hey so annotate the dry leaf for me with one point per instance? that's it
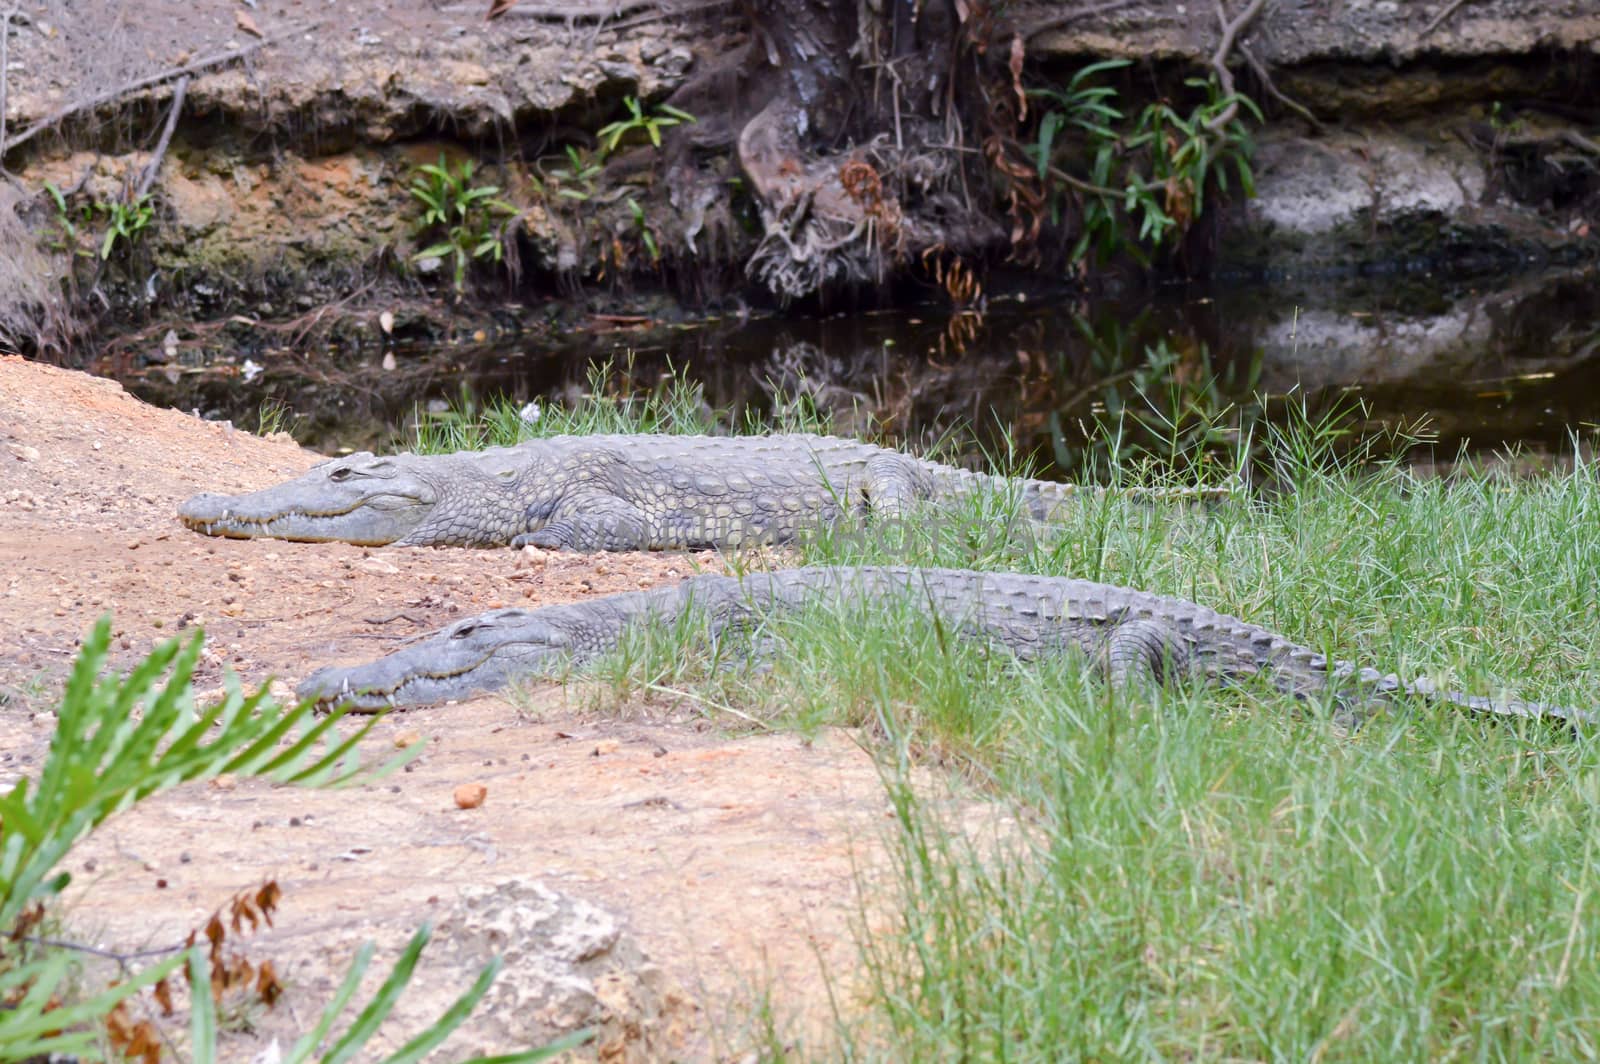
(248, 24)
(1018, 53)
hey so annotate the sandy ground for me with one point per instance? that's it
(730, 861)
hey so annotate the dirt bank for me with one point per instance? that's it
(719, 866)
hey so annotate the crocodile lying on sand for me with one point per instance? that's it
(604, 493)
(1135, 635)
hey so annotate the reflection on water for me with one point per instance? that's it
(1064, 382)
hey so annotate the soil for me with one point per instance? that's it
(730, 860)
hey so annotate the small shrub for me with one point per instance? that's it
(466, 215)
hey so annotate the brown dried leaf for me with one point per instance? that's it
(216, 934)
(267, 984)
(163, 996)
(242, 909)
(134, 1040)
(267, 899)
(31, 917)
(247, 24)
(1018, 54)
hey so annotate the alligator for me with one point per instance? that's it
(587, 493)
(1135, 636)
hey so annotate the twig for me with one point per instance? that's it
(1433, 24)
(1266, 82)
(573, 12)
(148, 178)
(1055, 22)
(718, 706)
(123, 958)
(206, 63)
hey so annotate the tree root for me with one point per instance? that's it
(149, 176)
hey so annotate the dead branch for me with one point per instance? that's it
(1570, 137)
(1449, 9)
(569, 12)
(149, 176)
(111, 95)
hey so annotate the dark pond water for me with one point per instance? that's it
(1516, 364)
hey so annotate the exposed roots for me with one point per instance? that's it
(33, 313)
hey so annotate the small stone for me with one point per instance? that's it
(407, 739)
(224, 782)
(606, 746)
(470, 795)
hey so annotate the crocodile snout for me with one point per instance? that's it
(203, 509)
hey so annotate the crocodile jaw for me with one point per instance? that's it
(316, 508)
(477, 654)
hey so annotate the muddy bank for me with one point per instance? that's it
(1396, 137)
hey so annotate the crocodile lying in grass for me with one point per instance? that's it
(603, 493)
(1135, 635)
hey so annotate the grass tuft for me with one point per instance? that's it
(674, 405)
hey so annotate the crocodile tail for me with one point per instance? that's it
(1045, 499)
(1505, 707)
(1042, 499)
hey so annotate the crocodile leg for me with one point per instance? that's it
(1143, 651)
(591, 521)
(894, 483)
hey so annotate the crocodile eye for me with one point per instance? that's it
(342, 473)
(468, 628)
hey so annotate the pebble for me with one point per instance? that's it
(406, 739)
(470, 795)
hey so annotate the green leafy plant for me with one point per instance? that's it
(465, 213)
(126, 221)
(645, 234)
(661, 117)
(71, 222)
(1147, 178)
(122, 739)
(577, 182)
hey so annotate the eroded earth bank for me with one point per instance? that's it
(652, 872)
(248, 172)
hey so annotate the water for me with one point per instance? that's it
(1514, 365)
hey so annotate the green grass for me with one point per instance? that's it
(1222, 874)
(1195, 873)
(673, 405)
